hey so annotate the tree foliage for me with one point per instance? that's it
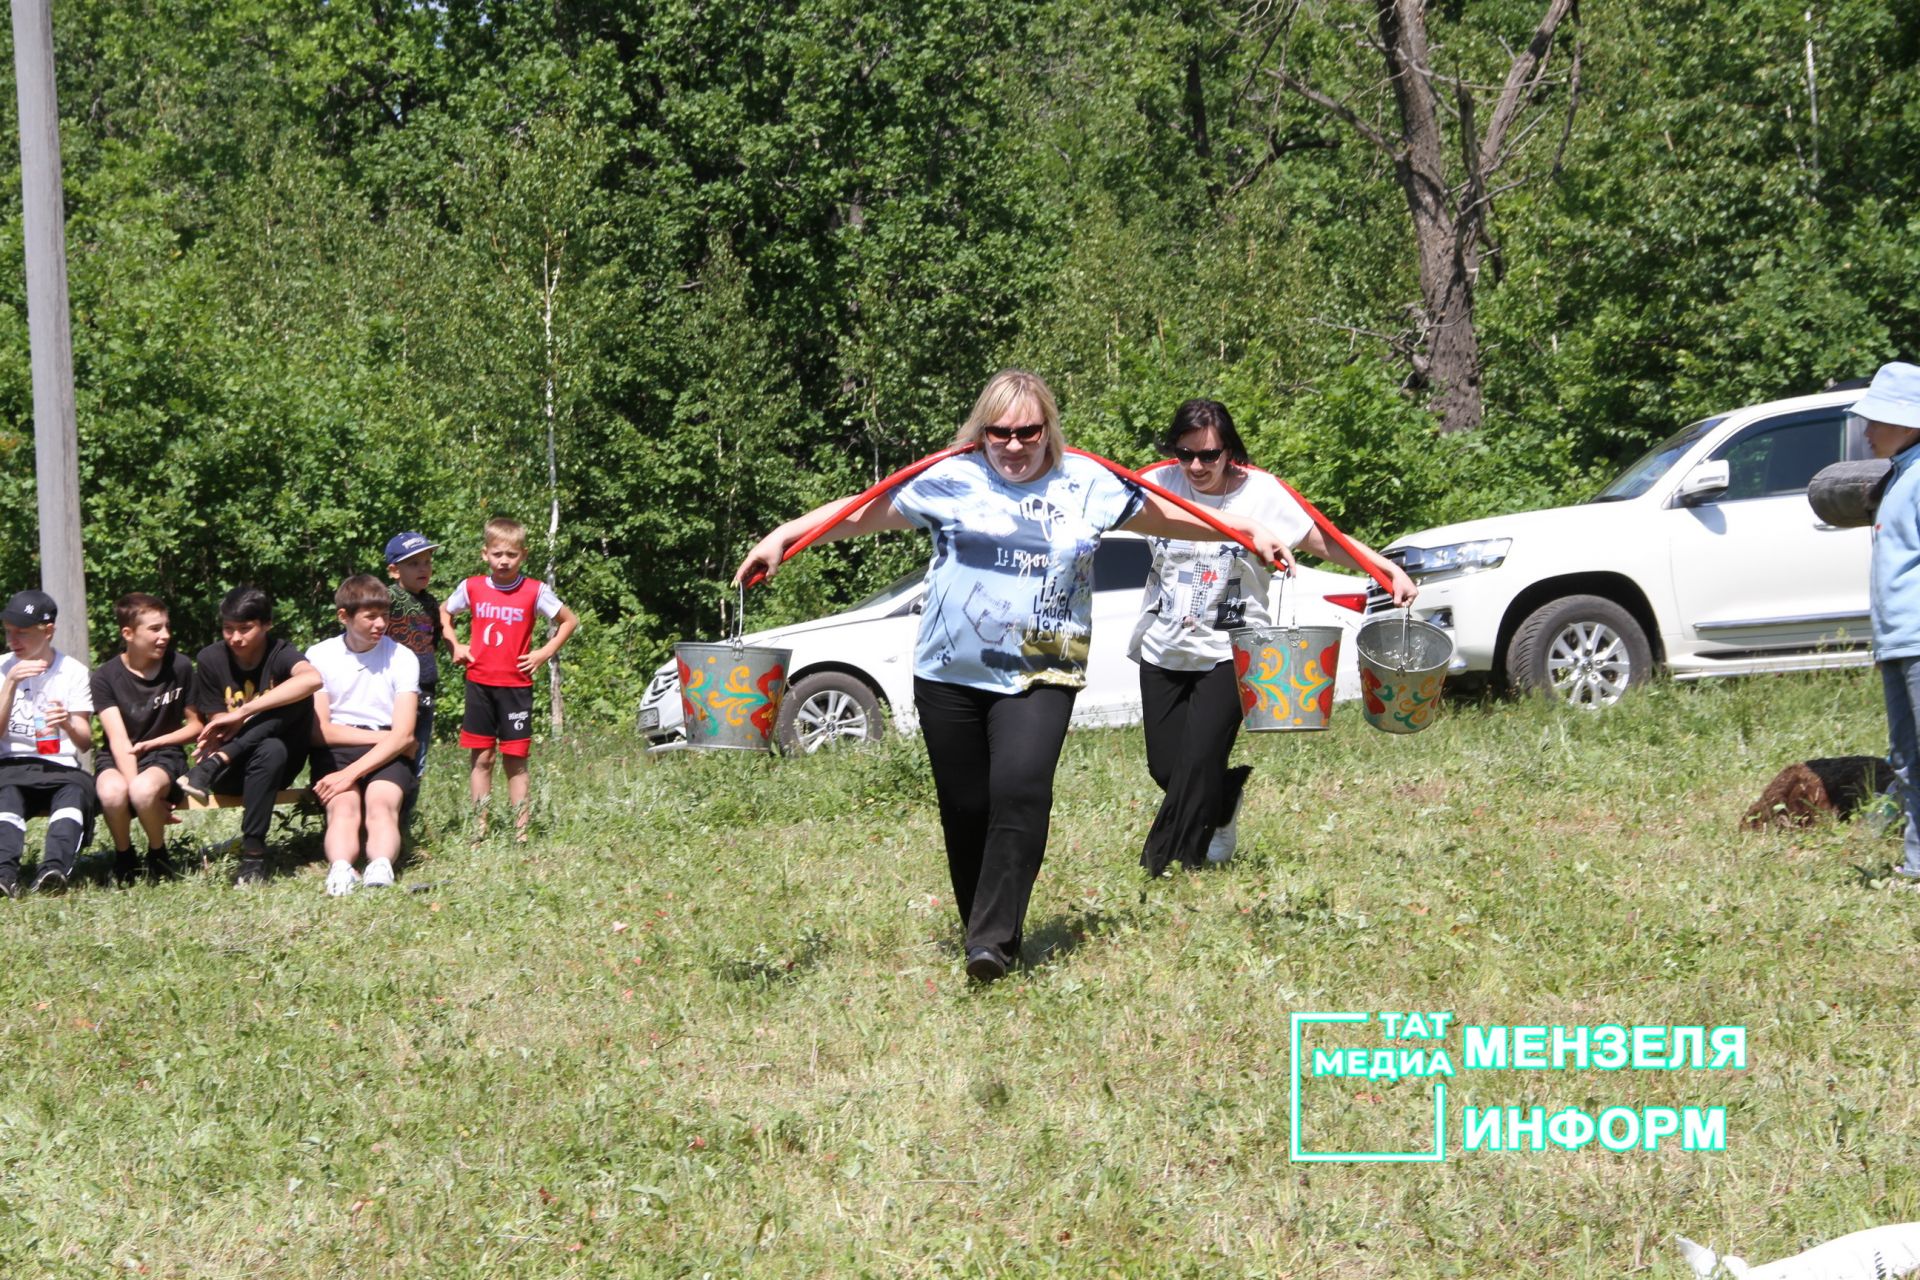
(340, 269)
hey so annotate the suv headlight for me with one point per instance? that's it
(1453, 560)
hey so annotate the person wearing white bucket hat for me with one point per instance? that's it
(1004, 637)
(1189, 698)
(1891, 408)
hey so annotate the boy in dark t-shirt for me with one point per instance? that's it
(255, 692)
(414, 624)
(141, 699)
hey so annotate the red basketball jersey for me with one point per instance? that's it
(502, 630)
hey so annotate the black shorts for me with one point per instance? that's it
(496, 713)
(398, 771)
(172, 759)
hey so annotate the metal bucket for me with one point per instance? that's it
(1286, 676)
(730, 694)
(1847, 494)
(1403, 664)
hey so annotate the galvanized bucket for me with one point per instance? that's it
(1286, 676)
(1847, 494)
(730, 694)
(1403, 664)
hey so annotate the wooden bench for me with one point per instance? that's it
(300, 797)
(299, 802)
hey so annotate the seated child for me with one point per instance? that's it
(255, 693)
(47, 705)
(141, 699)
(364, 716)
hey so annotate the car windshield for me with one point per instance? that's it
(900, 586)
(1653, 464)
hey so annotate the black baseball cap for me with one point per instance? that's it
(30, 609)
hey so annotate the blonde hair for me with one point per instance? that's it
(1004, 390)
(508, 530)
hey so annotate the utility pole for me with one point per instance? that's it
(56, 449)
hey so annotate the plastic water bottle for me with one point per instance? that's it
(46, 740)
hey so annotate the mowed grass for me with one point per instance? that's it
(713, 1022)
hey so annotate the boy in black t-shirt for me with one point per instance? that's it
(255, 692)
(141, 699)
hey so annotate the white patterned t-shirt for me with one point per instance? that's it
(1199, 591)
(1010, 586)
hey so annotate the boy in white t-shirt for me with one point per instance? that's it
(363, 716)
(47, 705)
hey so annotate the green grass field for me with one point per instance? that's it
(713, 1022)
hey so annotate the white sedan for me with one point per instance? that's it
(851, 666)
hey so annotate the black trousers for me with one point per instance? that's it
(264, 757)
(993, 757)
(1192, 718)
(29, 788)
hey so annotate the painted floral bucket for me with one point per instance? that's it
(1403, 664)
(730, 694)
(1286, 676)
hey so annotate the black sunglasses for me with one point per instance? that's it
(1208, 456)
(1025, 435)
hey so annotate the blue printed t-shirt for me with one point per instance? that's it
(1896, 562)
(1010, 587)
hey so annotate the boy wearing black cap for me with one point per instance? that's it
(415, 625)
(47, 706)
(255, 692)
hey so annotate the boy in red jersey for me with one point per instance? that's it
(499, 716)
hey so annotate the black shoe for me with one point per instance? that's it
(126, 867)
(252, 871)
(160, 866)
(198, 781)
(10, 881)
(985, 965)
(51, 881)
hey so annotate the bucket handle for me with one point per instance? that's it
(733, 622)
(1406, 620)
(1292, 622)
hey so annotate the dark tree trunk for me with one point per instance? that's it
(1447, 202)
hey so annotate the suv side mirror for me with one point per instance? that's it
(1704, 483)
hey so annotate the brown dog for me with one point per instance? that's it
(1832, 787)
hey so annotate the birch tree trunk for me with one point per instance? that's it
(549, 291)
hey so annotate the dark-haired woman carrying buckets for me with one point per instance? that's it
(1195, 594)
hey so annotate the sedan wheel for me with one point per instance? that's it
(1586, 650)
(826, 708)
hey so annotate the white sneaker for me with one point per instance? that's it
(1226, 836)
(342, 879)
(379, 874)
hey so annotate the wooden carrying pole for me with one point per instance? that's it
(55, 431)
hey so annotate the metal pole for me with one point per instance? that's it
(55, 432)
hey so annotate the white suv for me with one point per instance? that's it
(1703, 556)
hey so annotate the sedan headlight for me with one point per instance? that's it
(660, 684)
(1453, 560)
